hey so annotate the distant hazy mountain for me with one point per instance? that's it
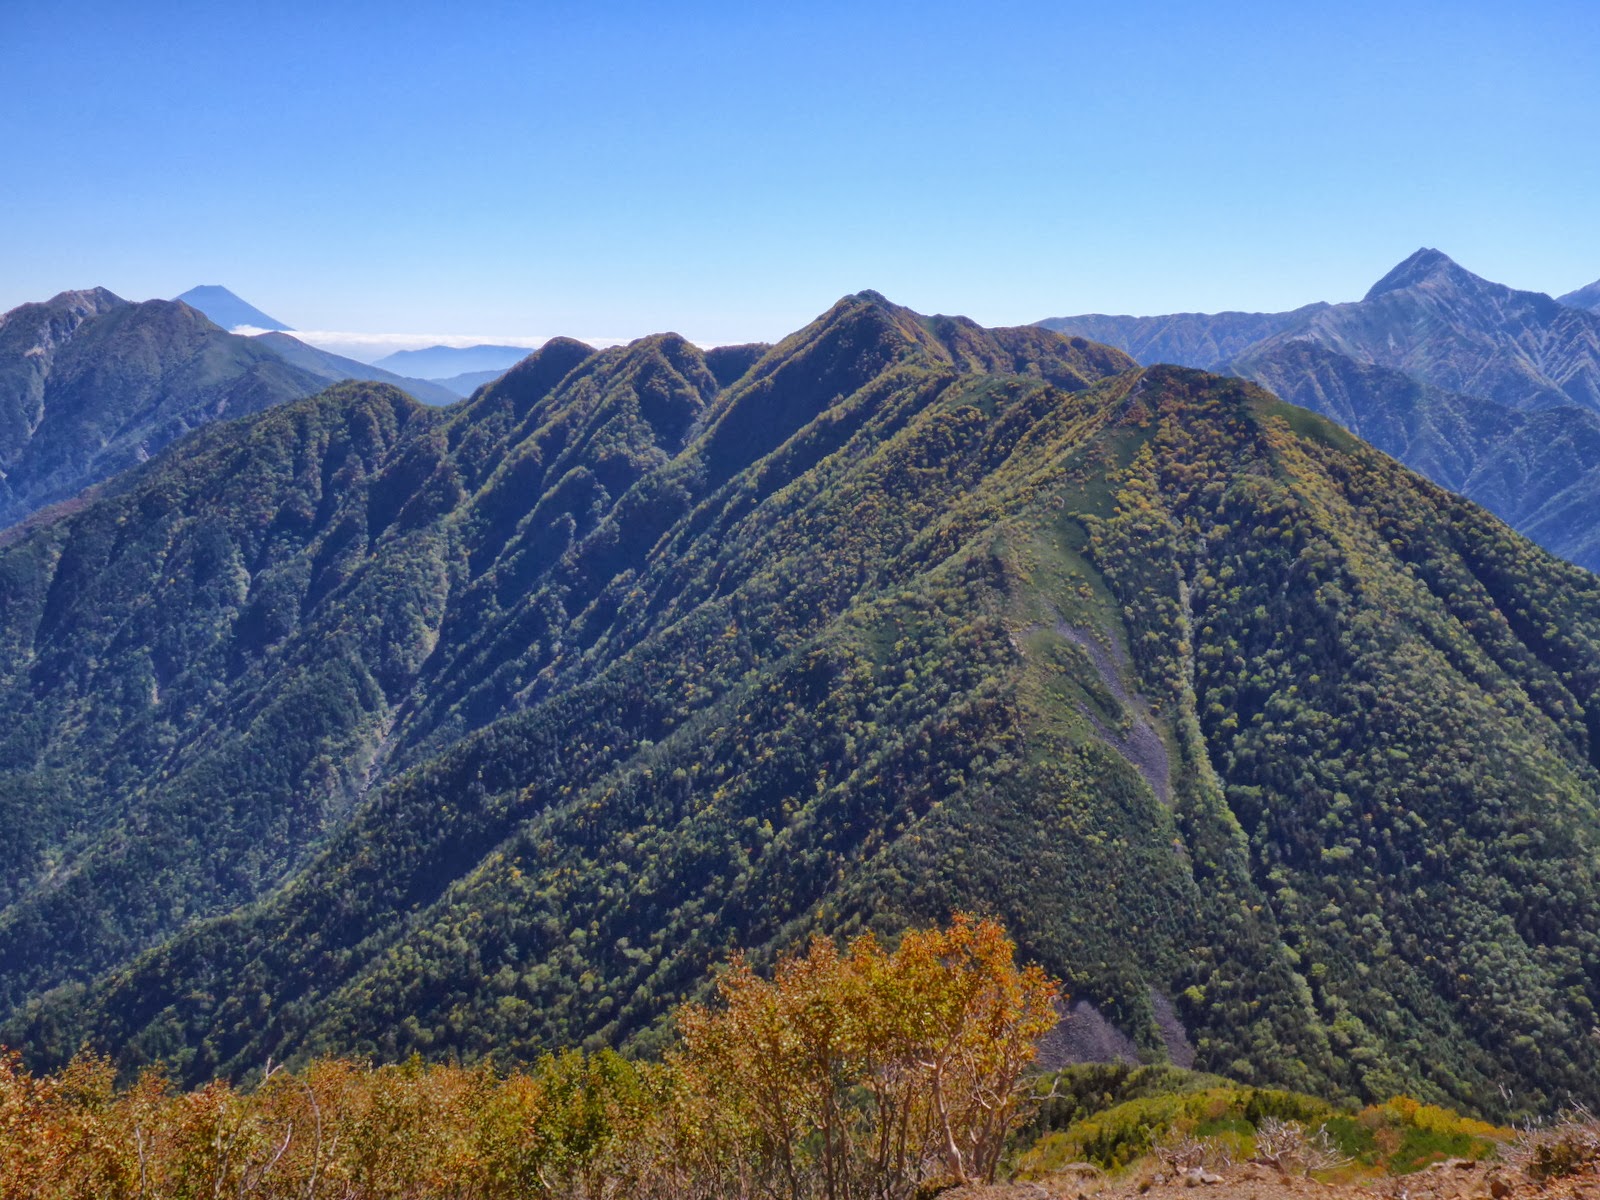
(1440, 323)
(442, 362)
(1584, 297)
(1488, 390)
(1189, 339)
(332, 368)
(227, 310)
(1429, 317)
(91, 385)
(468, 382)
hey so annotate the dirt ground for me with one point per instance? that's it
(1458, 1180)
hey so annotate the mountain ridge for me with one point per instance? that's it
(1478, 350)
(91, 384)
(1585, 297)
(533, 707)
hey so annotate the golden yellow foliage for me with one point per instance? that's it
(854, 1074)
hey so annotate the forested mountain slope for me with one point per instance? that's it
(91, 385)
(1538, 471)
(497, 726)
(1490, 391)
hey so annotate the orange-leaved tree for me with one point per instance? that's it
(870, 1072)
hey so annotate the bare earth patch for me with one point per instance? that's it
(1455, 1180)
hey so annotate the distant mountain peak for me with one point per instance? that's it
(95, 299)
(227, 309)
(1424, 266)
(1585, 297)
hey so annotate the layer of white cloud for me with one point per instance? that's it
(367, 347)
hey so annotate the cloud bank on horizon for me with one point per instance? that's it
(368, 347)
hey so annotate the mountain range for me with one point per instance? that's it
(434, 375)
(1488, 390)
(442, 362)
(358, 725)
(91, 384)
(332, 368)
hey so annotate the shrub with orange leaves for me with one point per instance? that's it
(855, 1074)
(871, 1072)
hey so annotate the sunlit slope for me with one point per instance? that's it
(1240, 726)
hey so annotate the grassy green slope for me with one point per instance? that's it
(1212, 703)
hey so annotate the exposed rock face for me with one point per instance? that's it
(1085, 1036)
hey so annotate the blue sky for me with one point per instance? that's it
(728, 170)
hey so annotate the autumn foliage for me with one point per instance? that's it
(863, 1073)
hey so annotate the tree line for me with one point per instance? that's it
(853, 1073)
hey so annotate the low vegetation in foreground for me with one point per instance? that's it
(1183, 1120)
(849, 1074)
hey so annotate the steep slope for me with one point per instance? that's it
(1538, 471)
(1428, 318)
(91, 385)
(1204, 340)
(1443, 325)
(1585, 297)
(227, 310)
(335, 368)
(516, 717)
(1436, 366)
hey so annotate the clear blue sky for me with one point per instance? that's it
(728, 170)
